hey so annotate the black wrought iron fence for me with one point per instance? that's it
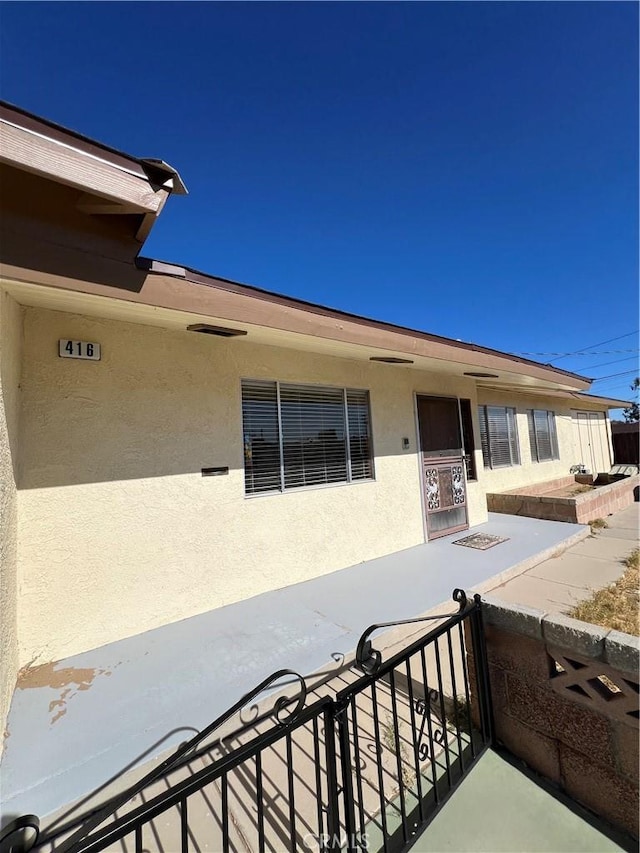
(360, 763)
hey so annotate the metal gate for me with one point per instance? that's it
(362, 762)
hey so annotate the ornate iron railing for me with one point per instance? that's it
(362, 762)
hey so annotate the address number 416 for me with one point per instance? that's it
(79, 349)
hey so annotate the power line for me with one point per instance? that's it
(613, 375)
(627, 389)
(599, 344)
(619, 383)
(607, 363)
(615, 392)
(593, 352)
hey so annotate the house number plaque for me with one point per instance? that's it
(79, 349)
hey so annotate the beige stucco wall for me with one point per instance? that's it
(529, 471)
(10, 361)
(119, 532)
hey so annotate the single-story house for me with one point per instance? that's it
(172, 442)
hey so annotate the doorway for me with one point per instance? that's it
(592, 441)
(442, 465)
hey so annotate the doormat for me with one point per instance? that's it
(480, 541)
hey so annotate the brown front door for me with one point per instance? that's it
(442, 466)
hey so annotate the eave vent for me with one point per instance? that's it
(390, 359)
(219, 331)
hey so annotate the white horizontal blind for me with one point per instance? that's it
(484, 436)
(304, 435)
(499, 436)
(361, 456)
(261, 437)
(313, 435)
(543, 438)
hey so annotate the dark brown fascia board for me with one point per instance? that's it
(165, 268)
(152, 170)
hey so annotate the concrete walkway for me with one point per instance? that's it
(78, 722)
(557, 584)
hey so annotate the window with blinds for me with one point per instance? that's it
(543, 438)
(261, 437)
(304, 435)
(499, 436)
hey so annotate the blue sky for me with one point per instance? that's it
(470, 169)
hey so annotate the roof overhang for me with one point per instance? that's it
(111, 182)
(175, 298)
(162, 294)
(609, 402)
(575, 399)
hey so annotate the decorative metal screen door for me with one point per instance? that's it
(443, 471)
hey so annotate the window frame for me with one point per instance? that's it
(513, 438)
(282, 488)
(534, 445)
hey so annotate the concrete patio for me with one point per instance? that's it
(78, 722)
(532, 817)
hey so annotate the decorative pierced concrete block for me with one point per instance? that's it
(594, 684)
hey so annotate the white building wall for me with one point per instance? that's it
(119, 531)
(529, 470)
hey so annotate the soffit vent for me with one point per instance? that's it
(219, 331)
(390, 359)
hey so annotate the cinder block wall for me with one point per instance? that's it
(565, 701)
(605, 500)
(581, 509)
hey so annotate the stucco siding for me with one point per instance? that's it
(10, 360)
(529, 470)
(120, 532)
